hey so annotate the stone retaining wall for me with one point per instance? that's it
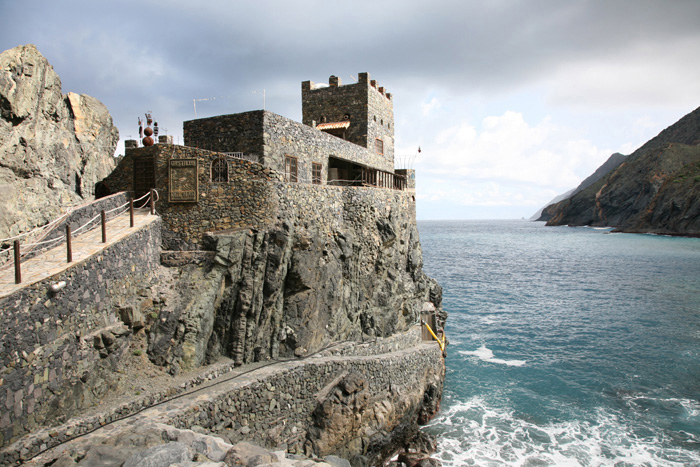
(276, 408)
(242, 201)
(328, 208)
(253, 197)
(57, 349)
(49, 437)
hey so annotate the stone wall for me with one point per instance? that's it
(241, 132)
(287, 137)
(243, 201)
(272, 137)
(255, 196)
(57, 349)
(338, 405)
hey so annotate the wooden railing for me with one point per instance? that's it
(16, 248)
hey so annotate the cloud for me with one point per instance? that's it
(507, 149)
(645, 74)
(512, 101)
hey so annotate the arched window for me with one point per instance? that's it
(219, 170)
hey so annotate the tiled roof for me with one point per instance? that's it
(333, 125)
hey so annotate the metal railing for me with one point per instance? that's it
(242, 156)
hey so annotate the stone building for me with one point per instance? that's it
(225, 175)
(347, 135)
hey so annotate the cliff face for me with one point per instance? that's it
(612, 163)
(654, 190)
(53, 148)
(292, 289)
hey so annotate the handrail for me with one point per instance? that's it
(149, 198)
(441, 343)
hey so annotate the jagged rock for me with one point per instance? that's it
(54, 148)
(431, 404)
(180, 337)
(291, 289)
(104, 456)
(336, 461)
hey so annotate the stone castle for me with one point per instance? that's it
(346, 140)
(274, 240)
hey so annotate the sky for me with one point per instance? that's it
(512, 102)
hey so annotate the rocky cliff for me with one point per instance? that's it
(53, 147)
(318, 290)
(654, 190)
(291, 289)
(610, 164)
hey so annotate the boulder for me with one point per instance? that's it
(160, 456)
(54, 148)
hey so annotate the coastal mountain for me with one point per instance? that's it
(53, 147)
(656, 189)
(613, 162)
(541, 215)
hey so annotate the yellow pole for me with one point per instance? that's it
(441, 343)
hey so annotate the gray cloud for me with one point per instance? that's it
(154, 55)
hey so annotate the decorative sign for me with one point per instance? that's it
(184, 182)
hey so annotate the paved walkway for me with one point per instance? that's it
(84, 245)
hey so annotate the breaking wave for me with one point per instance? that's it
(474, 434)
(485, 354)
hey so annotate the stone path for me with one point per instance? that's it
(84, 245)
(205, 384)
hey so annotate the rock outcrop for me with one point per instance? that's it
(291, 290)
(54, 148)
(610, 164)
(157, 444)
(654, 190)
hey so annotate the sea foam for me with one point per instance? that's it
(485, 354)
(478, 434)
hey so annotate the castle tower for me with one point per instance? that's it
(362, 112)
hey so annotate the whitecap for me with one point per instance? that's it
(474, 432)
(485, 354)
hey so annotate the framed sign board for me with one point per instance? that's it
(184, 182)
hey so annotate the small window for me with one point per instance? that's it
(290, 169)
(316, 173)
(379, 146)
(219, 170)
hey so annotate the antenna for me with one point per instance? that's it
(194, 102)
(353, 78)
(263, 93)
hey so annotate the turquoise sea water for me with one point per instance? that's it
(568, 346)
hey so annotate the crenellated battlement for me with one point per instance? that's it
(336, 81)
(365, 110)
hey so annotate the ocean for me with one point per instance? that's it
(568, 346)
